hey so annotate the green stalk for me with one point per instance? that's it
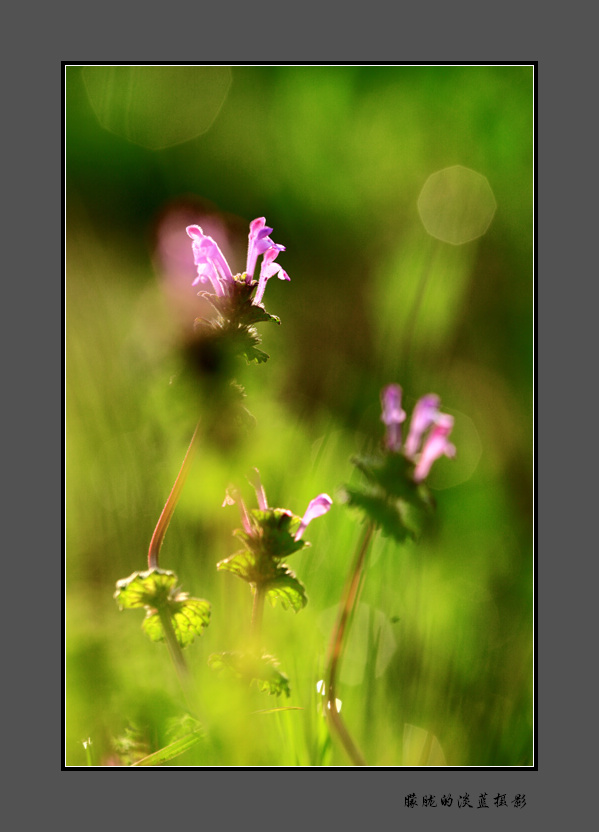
(335, 653)
(257, 615)
(174, 648)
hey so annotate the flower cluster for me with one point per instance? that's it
(429, 430)
(269, 535)
(317, 507)
(235, 298)
(394, 496)
(213, 268)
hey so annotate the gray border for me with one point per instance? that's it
(383, 794)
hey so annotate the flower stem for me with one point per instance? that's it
(174, 648)
(169, 508)
(257, 614)
(336, 647)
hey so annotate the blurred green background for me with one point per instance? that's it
(340, 160)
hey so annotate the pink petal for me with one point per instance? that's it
(424, 415)
(392, 415)
(317, 507)
(435, 445)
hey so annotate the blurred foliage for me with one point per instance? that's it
(335, 158)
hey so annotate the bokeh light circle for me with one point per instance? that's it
(456, 205)
(157, 106)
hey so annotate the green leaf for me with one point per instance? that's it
(253, 313)
(385, 514)
(188, 617)
(236, 317)
(286, 589)
(261, 671)
(254, 354)
(156, 591)
(393, 473)
(151, 588)
(271, 539)
(238, 306)
(220, 339)
(391, 498)
(275, 532)
(243, 340)
(243, 564)
(276, 684)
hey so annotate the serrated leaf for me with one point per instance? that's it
(224, 337)
(214, 300)
(236, 316)
(188, 618)
(275, 532)
(261, 671)
(231, 305)
(275, 685)
(387, 515)
(393, 473)
(287, 590)
(253, 313)
(142, 589)
(242, 564)
(156, 591)
(367, 465)
(254, 354)
(391, 498)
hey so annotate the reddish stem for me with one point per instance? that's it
(336, 648)
(169, 508)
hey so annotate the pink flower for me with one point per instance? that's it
(429, 430)
(435, 445)
(210, 261)
(267, 270)
(392, 415)
(424, 415)
(213, 267)
(316, 508)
